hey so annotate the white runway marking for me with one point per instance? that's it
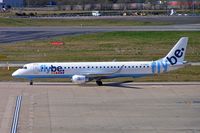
(16, 115)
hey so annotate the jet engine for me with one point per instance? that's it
(79, 79)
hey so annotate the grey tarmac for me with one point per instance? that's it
(16, 34)
(142, 107)
(168, 19)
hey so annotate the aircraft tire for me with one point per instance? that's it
(99, 82)
(31, 82)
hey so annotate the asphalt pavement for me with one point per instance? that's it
(129, 108)
(16, 34)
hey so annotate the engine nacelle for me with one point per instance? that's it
(79, 79)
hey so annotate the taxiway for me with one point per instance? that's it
(15, 34)
(113, 108)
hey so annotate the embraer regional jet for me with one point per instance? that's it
(82, 72)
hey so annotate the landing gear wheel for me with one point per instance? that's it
(99, 82)
(31, 82)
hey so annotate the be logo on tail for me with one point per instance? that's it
(177, 54)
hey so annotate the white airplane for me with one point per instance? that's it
(82, 72)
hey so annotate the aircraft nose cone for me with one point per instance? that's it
(15, 74)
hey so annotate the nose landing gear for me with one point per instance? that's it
(31, 82)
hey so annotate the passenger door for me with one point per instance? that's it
(35, 68)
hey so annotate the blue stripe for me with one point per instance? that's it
(158, 66)
(127, 75)
(153, 67)
(30, 77)
(165, 66)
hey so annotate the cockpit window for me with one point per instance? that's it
(24, 67)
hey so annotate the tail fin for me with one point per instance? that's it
(177, 53)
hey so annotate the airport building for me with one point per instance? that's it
(183, 4)
(12, 3)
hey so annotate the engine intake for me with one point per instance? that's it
(79, 79)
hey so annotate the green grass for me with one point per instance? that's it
(13, 22)
(102, 47)
(122, 46)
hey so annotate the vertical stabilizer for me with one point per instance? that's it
(177, 53)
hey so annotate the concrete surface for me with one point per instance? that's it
(15, 34)
(113, 108)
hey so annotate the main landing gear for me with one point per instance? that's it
(31, 82)
(99, 82)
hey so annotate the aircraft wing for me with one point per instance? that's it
(100, 74)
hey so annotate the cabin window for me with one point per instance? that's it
(129, 66)
(107, 66)
(132, 66)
